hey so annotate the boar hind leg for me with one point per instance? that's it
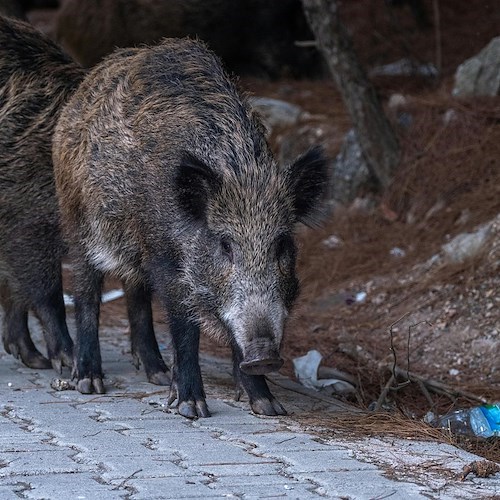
(34, 259)
(187, 384)
(15, 334)
(49, 308)
(144, 346)
(87, 369)
(262, 401)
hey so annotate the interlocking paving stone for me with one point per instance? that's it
(128, 444)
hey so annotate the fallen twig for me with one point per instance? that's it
(437, 387)
(383, 394)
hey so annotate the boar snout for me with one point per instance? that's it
(261, 354)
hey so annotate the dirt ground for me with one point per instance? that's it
(437, 320)
(440, 322)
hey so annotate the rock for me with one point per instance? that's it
(276, 113)
(466, 245)
(397, 252)
(366, 204)
(350, 171)
(436, 208)
(405, 67)
(482, 346)
(449, 116)
(333, 242)
(464, 217)
(397, 101)
(480, 75)
(380, 298)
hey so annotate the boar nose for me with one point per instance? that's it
(261, 346)
(261, 366)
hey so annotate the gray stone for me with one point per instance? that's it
(275, 112)
(350, 170)
(466, 245)
(480, 75)
(405, 67)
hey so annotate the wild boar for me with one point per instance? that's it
(254, 37)
(166, 181)
(36, 78)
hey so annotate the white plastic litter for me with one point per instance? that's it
(306, 371)
(106, 297)
(333, 242)
(397, 252)
(112, 295)
(69, 300)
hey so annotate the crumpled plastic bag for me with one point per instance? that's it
(306, 371)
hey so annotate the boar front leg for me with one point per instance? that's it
(187, 384)
(262, 401)
(87, 367)
(144, 345)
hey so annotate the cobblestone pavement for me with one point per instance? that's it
(128, 444)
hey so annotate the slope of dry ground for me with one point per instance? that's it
(439, 320)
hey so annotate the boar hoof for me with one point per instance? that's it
(271, 407)
(57, 365)
(36, 361)
(90, 385)
(67, 358)
(30, 357)
(61, 358)
(159, 378)
(192, 409)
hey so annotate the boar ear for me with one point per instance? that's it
(195, 181)
(308, 177)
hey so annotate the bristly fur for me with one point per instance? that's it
(165, 179)
(36, 78)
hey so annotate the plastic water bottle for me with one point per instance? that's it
(482, 421)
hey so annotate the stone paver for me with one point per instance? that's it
(128, 444)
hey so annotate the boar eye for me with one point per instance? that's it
(227, 249)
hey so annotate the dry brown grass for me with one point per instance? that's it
(397, 425)
(447, 170)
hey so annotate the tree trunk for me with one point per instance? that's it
(377, 139)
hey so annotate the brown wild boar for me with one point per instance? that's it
(36, 78)
(251, 36)
(165, 180)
